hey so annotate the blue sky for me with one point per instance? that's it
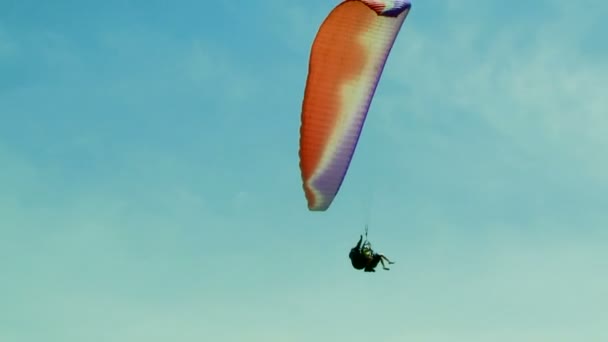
(150, 188)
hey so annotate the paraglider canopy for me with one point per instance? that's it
(346, 62)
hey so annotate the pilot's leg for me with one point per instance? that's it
(385, 258)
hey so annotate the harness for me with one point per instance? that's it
(366, 247)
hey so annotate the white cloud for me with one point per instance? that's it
(530, 84)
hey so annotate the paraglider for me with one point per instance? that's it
(363, 257)
(346, 61)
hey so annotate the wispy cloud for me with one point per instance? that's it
(527, 97)
(528, 81)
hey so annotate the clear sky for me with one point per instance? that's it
(150, 190)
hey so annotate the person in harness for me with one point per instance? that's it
(362, 257)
